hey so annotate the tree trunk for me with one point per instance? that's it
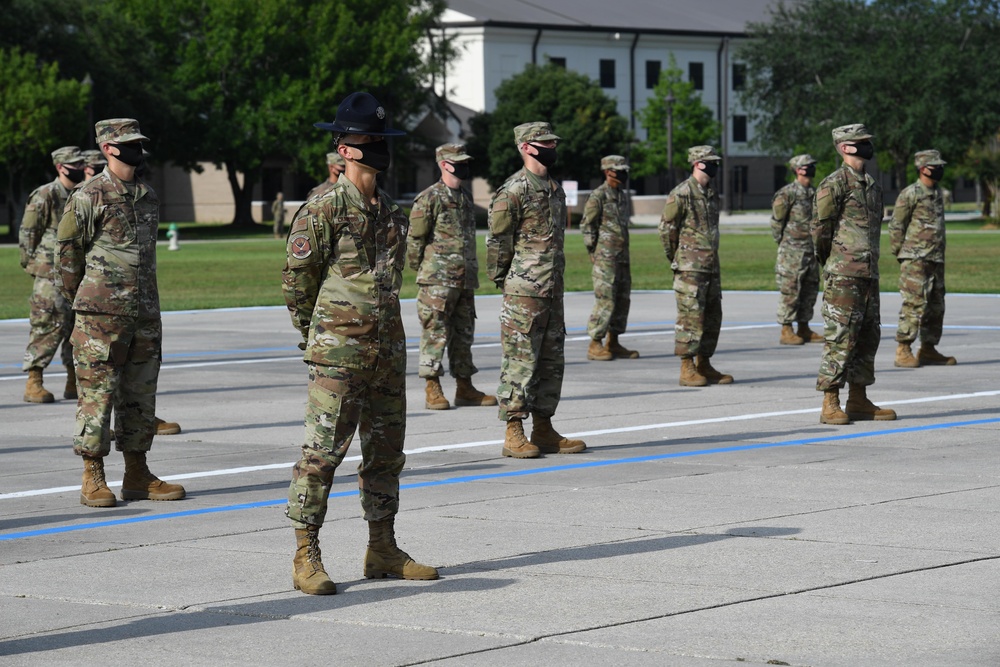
(242, 195)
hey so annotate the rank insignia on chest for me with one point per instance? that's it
(301, 246)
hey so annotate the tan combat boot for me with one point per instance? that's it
(94, 491)
(141, 484)
(466, 395)
(549, 441)
(515, 443)
(34, 392)
(808, 335)
(689, 374)
(905, 358)
(832, 414)
(928, 356)
(620, 352)
(70, 391)
(166, 428)
(308, 573)
(704, 366)
(859, 408)
(788, 336)
(597, 352)
(384, 559)
(435, 399)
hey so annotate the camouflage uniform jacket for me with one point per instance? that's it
(605, 224)
(847, 222)
(524, 248)
(107, 248)
(37, 237)
(442, 243)
(917, 227)
(320, 189)
(791, 216)
(342, 277)
(689, 228)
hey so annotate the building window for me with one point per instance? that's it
(739, 129)
(607, 74)
(739, 76)
(780, 176)
(696, 75)
(652, 73)
(558, 62)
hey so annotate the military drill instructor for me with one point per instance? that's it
(847, 223)
(689, 231)
(605, 235)
(442, 250)
(524, 255)
(917, 239)
(795, 268)
(51, 315)
(107, 263)
(345, 257)
(335, 167)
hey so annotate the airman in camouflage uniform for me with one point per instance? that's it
(442, 250)
(795, 269)
(524, 255)
(846, 226)
(107, 261)
(335, 165)
(689, 231)
(346, 251)
(278, 214)
(605, 235)
(916, 238)
(51, 315)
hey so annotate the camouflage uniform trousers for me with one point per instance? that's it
(533, 336)
(699, 313)
(613, 298)
(921, 284)
(342, 401)
(117, 366)
(852, 331)
(51, 324)
(448, 318)
(797, 276)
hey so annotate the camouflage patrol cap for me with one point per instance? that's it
(702, 154)
(67, 155)
(451, 153)
(615, 162)
(800, 161)
(93, 157)
(528, 132)
(855, 132)
(335, 160)
(118, 131)
(927, 158)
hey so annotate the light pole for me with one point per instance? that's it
(670, 139)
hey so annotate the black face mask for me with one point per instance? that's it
(865, 150)
(75, 175)
(810, 171)
(547, 156)
(937, 171)
(374, 155)
(710, 168)
(621, 175)
(462, 170)
(130, 153)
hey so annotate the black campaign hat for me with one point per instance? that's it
(360, 113)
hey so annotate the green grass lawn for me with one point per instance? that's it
(247, 271)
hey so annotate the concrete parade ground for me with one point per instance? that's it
(703, 526)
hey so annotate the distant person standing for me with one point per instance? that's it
(605, 235)
(335, 167)
(524, 255)
(916, 238)
(689, 231)
(795, 269)
(846, 227)
(278, 212)
(442, 250)
(51, 315)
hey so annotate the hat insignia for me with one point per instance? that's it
(380, 112)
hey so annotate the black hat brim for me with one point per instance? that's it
(341, 129)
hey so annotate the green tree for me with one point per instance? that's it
(581, 114)
(693, 124)
(919, 73)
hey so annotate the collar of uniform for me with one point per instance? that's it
(357, 199)
(121, 189)
(63, 192)
(705, 190)
(538, 183)
(857, 175)
(928, 191)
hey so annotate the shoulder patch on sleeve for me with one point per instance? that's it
(300, 246)
(500, 205)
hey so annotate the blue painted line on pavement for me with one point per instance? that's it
(507, 474)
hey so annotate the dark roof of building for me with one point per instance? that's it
(717, 17)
